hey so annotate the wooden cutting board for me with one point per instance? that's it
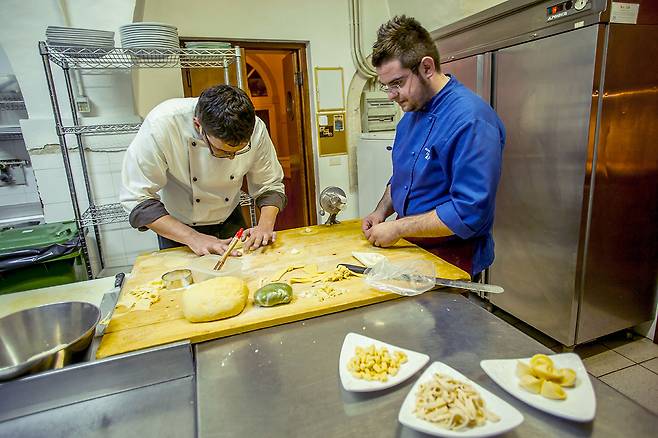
(323, 245)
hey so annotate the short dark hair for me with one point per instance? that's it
(404, 38)
(226, 112)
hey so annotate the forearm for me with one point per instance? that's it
(385, 205)
(268, 215)
(171, 228)
(423, 225)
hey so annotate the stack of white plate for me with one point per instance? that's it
(71, 36)
(207, 45)
(149, 35)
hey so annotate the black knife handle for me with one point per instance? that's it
(118, 279)
(354, 268)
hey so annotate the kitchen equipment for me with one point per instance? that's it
(177, 279)
(229, 250)
(108, 302)
(373, 157)
(323, 246)
(458, 284)
(576, 212)
(332, 200)
(29, 333)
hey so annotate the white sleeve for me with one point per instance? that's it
(144, 170)
(266, 173)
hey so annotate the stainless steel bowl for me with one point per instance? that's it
(45, 337)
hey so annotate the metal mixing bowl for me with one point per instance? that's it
(29, 339)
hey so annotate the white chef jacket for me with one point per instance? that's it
(169, 161)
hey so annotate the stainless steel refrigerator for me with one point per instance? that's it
(576, 226)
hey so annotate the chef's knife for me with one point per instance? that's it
(108, 303)
(459, 284)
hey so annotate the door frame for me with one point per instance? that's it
(301, 48)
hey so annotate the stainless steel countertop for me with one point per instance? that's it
(140, 394)
(283, 381)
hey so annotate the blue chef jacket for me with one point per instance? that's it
(447, 158)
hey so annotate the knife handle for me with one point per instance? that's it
(118, 279)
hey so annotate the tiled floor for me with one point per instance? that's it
(625, 361)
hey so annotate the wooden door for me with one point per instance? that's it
(297, 213)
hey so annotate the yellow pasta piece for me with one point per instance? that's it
(522, 369)
(541, 376)
(539, 359)
(553, 391)
(530, 383)
(546, 372)
(375, 364)
(568, 377)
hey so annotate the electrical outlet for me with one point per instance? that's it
(82, 104)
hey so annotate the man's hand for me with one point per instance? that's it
(370, 221)
(257, 236)
(384, 233)
(203, 244)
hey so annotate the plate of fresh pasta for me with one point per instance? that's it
(444, 402)
(557, 384)
(367, 364)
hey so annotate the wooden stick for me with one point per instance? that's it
(229, 250)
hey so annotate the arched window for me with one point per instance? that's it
(256, 83)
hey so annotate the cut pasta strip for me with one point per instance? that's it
(451, 404)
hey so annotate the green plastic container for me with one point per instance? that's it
(64, 269)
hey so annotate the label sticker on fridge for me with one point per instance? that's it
(624, 13)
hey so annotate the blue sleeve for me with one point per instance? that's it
(475, 165)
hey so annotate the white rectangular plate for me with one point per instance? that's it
(415, 361)
(580, 404)
(509, 416)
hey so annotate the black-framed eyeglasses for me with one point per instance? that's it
(225, 154)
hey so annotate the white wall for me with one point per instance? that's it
(111, 97)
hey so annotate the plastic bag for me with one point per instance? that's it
(412, 277)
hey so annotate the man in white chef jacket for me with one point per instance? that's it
(183, 172)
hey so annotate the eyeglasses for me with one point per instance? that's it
(396, 85)
(224, 154)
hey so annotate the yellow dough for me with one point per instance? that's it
(217, 298)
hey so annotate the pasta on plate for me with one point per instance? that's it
(451, 404)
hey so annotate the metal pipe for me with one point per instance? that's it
(65, 154)
(355, 39)
(238, 63)
(225, 68)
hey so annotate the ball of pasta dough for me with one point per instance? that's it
(217, 298)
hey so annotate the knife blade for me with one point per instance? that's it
(459, 284)
(108, 303)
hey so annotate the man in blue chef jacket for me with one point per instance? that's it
(446, 155)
